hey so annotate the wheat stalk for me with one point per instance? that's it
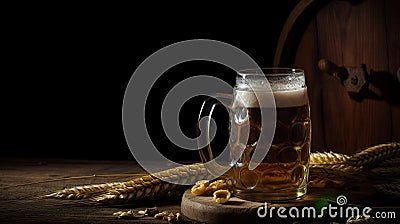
(386, 171)
(335, 171)
(389, 189)
(152, 187)
(327, 158)
(139, 189)
(81, 192)
(395, 162)
(342, 167)
(375, 154)
(186, 174)
(146, 187)
(321, 182)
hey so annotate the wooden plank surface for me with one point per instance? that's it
(351, 35)
(393, 43)
(22, 205)
(306, 58)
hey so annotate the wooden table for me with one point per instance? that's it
(23, 205)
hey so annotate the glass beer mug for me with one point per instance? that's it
(283, 173)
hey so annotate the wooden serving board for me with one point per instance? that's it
(204, 209)
(236, 210)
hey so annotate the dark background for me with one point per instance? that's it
(65, 70)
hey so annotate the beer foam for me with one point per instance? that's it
(283, 98)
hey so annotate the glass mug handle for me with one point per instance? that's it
(206, 154)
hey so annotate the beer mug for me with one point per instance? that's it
(283, 173)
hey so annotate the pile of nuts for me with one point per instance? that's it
(149, 212)
(169, 216)
(219, 189)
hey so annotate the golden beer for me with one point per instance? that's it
(283, 173)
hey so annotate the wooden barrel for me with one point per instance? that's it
(349, 33)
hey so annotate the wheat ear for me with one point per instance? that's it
(395, 162)
(386, 171)
(151, 187)
(335, 171)
(81, 192)
(328, 158)
(146, 187)
(375, 154)
(389, 189)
